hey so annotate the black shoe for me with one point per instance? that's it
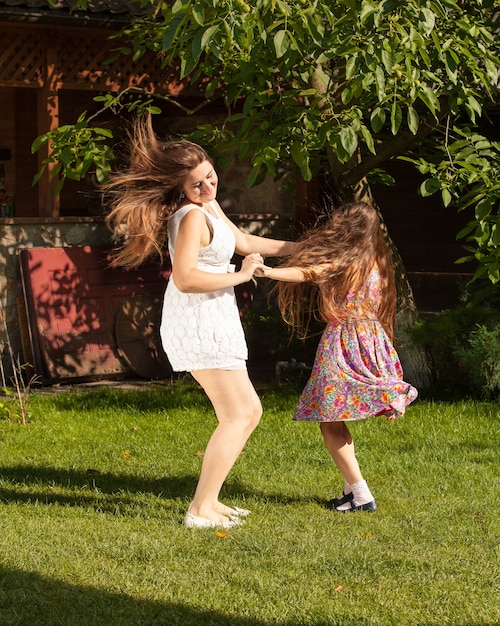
(369, 506)
(344, 498)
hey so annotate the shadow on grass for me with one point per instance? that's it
(29, 598)
(92, 489)
(110, 492)
(154, 398)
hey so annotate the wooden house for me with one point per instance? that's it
(54, 61)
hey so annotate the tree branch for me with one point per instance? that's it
(165, 98)
(391, 147)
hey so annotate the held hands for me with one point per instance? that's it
(262, 271)
(250, 265)
(253, 266)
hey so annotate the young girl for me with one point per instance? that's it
(168, 192)
(342, 272)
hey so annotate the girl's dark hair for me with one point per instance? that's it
(148, 192)
(337, 258)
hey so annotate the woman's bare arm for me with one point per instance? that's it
(246, 243)
(193, 234)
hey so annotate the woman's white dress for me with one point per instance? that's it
(203, 330)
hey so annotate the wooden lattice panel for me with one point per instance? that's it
(82, 64)
(21, 59)
(76, 62)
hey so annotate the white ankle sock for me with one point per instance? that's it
(362, 494)
(347, 505)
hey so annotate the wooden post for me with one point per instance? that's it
(48, 119)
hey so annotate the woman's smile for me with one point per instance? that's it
(200, 184)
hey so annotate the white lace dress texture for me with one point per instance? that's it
(203, 330)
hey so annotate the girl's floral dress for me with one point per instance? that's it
(357, 372)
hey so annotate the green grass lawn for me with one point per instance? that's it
(93, 492)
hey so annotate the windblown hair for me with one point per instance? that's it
(143, 196)
(337, 259)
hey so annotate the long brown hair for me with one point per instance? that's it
(143, 196)
(336, 259)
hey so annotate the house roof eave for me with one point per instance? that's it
(111, 14)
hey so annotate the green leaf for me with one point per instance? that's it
(254, 175)
(171, 32)
(367, 10)
(495, 234)
(351, 67)
(396, 117)
(451, 63)
(413, 120)
(297, 152)
(198, 14)
(380, 82)
(446, 196)
(466, 230)
(367, 136)
(66, 156)
(483, 209)
(39, 142)
(281, 43)
(473, 106)
(377, 119)
(320, 74)
(208, 35)
(348, 140)
(188, 62)
(428, 97)
(105, 132)
(346, 95)
(426, 20)
(59, 186)
(388, 60)
(429, 187)
(39, 174)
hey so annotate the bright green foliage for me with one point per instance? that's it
(312, 75)
(358, 81)
(337, 88)
(74, 149)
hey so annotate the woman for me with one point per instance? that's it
(169, 192)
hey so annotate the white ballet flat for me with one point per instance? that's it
(193, 521)
(240, 512)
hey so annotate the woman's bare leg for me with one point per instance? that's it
(238, 410)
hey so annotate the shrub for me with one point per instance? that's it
(481, 360)
(464, 348)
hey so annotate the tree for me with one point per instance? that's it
(339, 88)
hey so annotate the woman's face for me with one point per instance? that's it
(200, 185)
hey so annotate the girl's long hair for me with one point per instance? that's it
(337, 259)
(143, 196)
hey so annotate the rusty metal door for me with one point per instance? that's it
(72, 297)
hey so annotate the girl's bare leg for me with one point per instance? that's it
(238, 410)
(339, 444)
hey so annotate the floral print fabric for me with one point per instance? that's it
(357, 372)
